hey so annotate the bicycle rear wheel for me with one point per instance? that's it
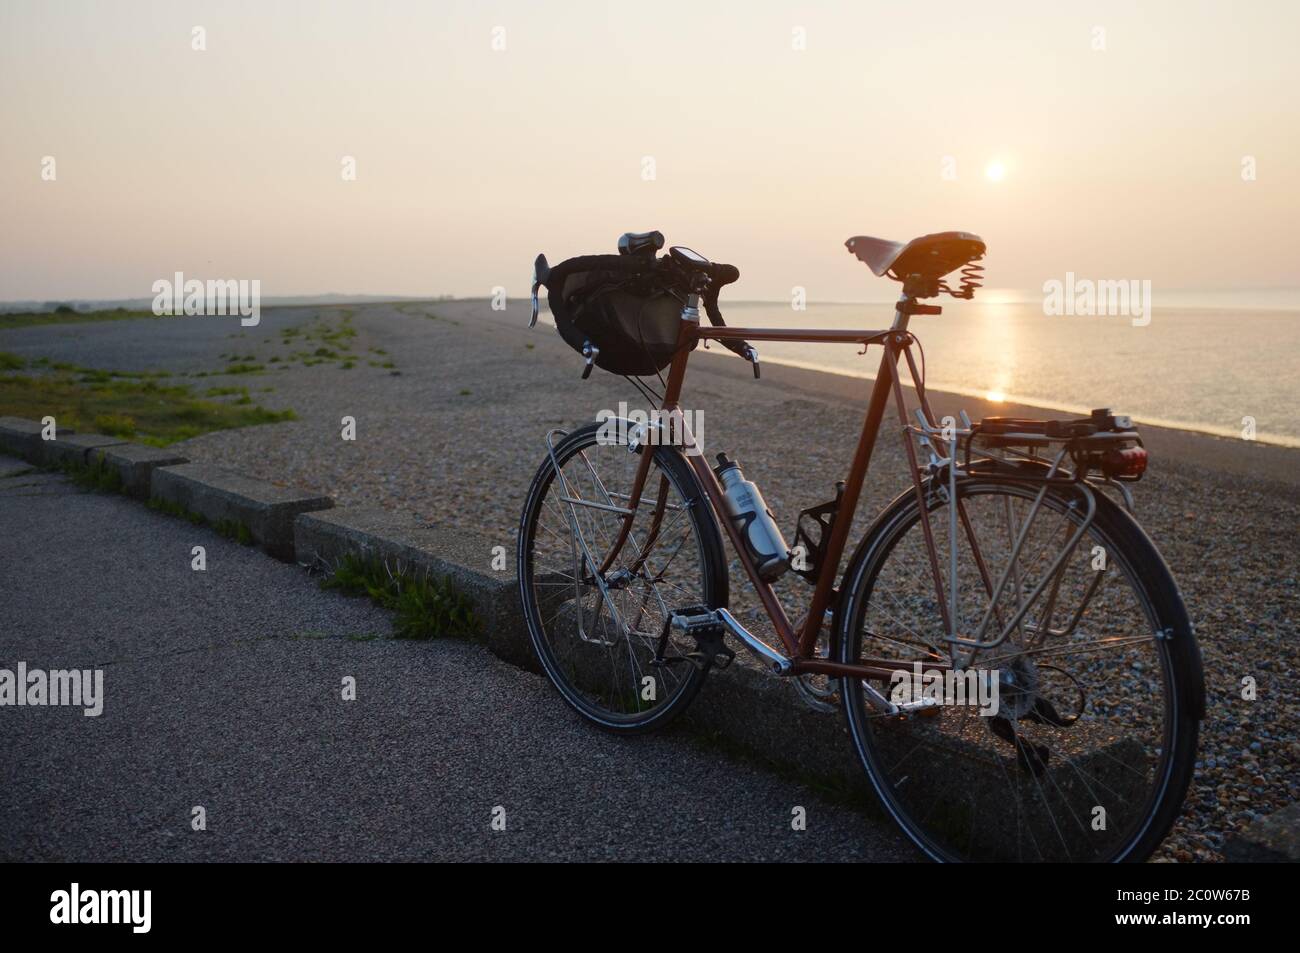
(1099, 686)
(597, 633)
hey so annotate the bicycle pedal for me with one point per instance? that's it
(699, 621)
(924, 708)
(703, 624)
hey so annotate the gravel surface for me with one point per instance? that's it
(222, 690)
(455, 436)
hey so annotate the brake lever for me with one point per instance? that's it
(541, 271)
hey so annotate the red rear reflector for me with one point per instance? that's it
(1130, 462)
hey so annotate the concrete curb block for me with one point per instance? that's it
(76, 448)
(11, 466)
(1268, 840)
(762, 714)
(218, 495)
(422, 548)
(135, 464)
(20, 437)
(741, 706)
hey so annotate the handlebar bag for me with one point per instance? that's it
(622, 304)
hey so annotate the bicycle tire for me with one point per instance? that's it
(1138, 558)
(713, 584)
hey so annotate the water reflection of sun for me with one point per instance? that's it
(994, 346)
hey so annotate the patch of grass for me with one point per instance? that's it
(94, 476)
(331, 340)
(230, 529)
(168, 508)
(95, 375)
(236, 530)
(66, 315)
(243, 369)
(424, 607)
(11, 362)
(124, 406)
(115, 425)
(464, 392)
(225, 391)
(417, 311)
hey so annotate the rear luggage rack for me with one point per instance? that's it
(1103, 443)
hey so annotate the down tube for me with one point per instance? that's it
(775, 611)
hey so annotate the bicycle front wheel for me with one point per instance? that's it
(1073, 738)
(597, 628)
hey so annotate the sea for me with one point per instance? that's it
(1224, 363)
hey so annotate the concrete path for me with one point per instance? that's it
(223, 690)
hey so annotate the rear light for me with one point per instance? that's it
(1127, 464)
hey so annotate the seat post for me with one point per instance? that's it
(914, 287)
(902, 311)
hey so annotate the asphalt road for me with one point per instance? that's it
(222, 689)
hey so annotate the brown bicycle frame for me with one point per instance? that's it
(800, 645)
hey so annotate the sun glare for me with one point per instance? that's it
(995, 171)
(996, 396)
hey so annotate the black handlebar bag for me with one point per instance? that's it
(621, 305)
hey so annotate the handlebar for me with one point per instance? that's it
(698, 275)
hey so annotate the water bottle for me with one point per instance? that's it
(757, 527)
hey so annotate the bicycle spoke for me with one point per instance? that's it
(604, 628)
(1030, 790)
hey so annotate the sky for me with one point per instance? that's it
(1112, 140)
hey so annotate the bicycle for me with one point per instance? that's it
(1012, 565)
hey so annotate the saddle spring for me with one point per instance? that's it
(972, 277)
